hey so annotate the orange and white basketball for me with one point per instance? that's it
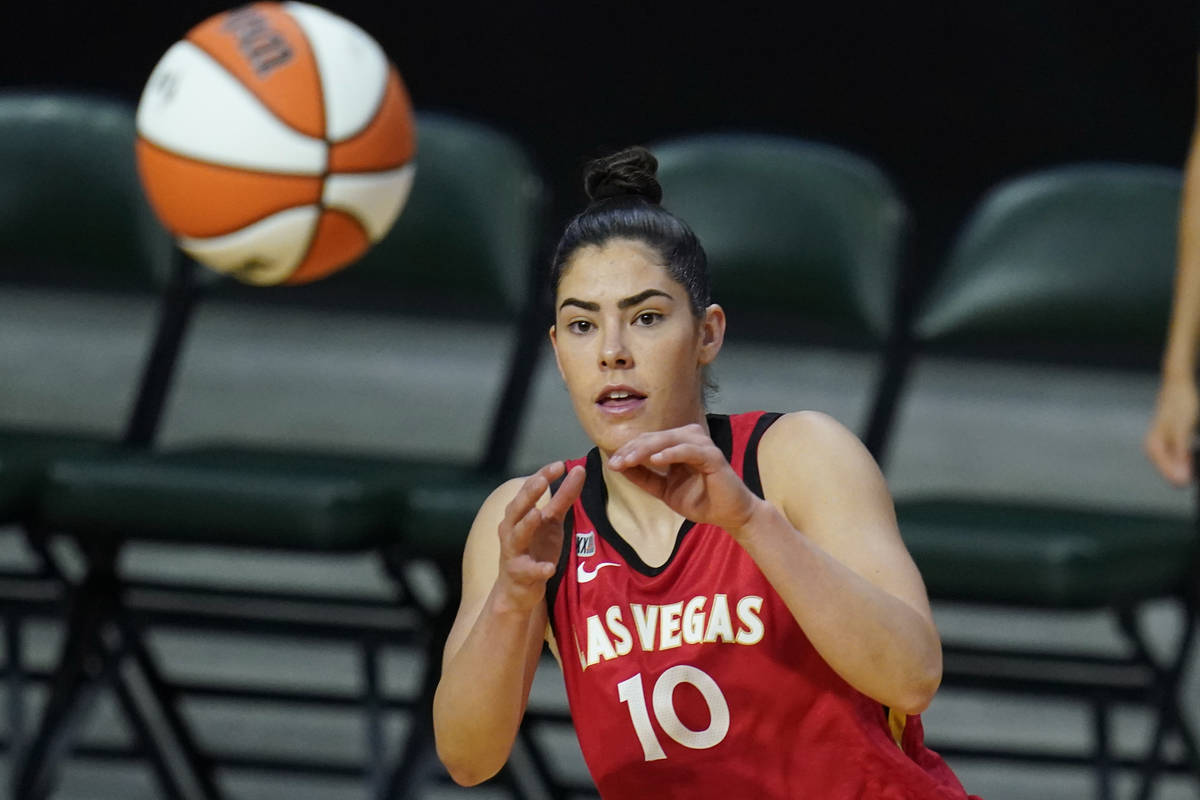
(275, 141)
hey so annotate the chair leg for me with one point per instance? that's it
(1167, 680)
(16, 684)
(98, 637)
(417, 761)
(1103, 758)
(162, 701)
(374, 711)
(83, 668)
(151, 746)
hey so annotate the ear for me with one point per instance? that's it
(712, 333)
(554, 347)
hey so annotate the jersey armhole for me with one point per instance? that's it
(556, 579)
(750, 473)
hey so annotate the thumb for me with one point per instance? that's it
(1171, 452)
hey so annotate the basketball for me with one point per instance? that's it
(276, 142)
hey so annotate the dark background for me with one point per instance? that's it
(947, 97)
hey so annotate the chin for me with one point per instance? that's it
(609, 435)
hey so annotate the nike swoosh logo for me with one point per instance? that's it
(583, 575)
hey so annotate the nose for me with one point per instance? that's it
(614, 353)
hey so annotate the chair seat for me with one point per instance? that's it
(230, 495)
(991, 551)
(24, 456)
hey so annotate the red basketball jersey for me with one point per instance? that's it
(693, 680)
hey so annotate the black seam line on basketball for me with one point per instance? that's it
(312, 238)
(205, 162)
(322, 110)
(354, 217)
(374, 112)
(244, 224)
(255, 95)
(372, 170)
(325, 173)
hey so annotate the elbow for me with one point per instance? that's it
(917, 696)
(920, 687)
(464, 775)
(466, 759)
(463, 769)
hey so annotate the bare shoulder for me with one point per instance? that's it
(483, 534)
(500, 497)
(809, 436)
(808, 460)
(480, 563)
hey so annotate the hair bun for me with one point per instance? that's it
(628, 173)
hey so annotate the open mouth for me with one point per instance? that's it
(619, 397)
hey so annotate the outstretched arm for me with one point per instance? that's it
(494, 646)
(825, 537)
(1169, 440)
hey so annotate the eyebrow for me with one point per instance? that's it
(624, 303)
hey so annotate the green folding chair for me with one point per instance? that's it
(462, 251)
(1072, 268)
(82, 267)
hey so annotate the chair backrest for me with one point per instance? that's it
(1036, 345)
(81, 262)
(1076, 260)
(404, 352)
(71, 207)
(803, 239)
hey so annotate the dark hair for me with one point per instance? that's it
(624, 202)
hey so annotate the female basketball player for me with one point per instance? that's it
(729, 598)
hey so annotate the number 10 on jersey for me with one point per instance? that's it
(632, 692)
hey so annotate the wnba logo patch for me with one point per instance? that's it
(585, 544)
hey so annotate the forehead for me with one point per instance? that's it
(618, 268)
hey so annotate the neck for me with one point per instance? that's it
(647, 523)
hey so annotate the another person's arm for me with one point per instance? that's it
(496, 641)
(826, 538)
(1169, 441)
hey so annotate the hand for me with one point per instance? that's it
(683, 468)
(531, 537)
(1168, 443)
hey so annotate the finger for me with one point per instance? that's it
(531, 491)
(1179, 458)
(525, 569)
(696, 455)
(523, 530)
(568, 492)
(637, 449)
(1170, 458)
(647, 480)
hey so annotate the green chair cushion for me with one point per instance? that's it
(228, 495)
(1042, 556)
(435, 507)
(24, 455)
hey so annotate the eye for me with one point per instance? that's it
(647, 318)
(579, 326)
